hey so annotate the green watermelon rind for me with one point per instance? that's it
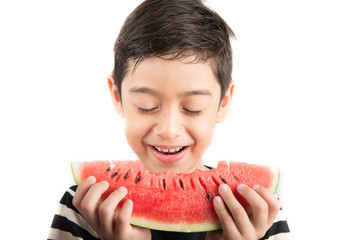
(75, 171)
(177, 227)
(276, 180)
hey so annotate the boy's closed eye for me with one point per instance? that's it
(146, 110)
(145, 103)
(192, 112)
(196, 105)
(192, 103)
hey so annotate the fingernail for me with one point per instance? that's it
(128, 201)
(91, 179)
(224, 188)
(218, 200)
(122, 189)
(256, 187)
(241, 186)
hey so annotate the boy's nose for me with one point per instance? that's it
(169, 126)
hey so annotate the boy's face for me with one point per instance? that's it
(170, 109)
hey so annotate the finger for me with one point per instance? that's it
(272, 202)
(258, 205)
(237, 211)
(81, 191)
(107, 209)
(89, 204)
(226, 220)
(123, 227)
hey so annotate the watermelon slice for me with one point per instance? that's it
(175, 201)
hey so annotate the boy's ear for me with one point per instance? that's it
(225, 103)
(115, 97)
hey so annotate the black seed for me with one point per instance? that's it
(114, 174)
(108, 169)
(223, 180)
(181, 184)
(208, 195)
(235, 177)
(126, 175)
(164, 184)
(137, 179)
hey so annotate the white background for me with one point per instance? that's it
(296, 106)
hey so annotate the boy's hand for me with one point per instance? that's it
(101, 217)
(235, 222)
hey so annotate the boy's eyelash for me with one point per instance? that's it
(146, 110)
(192, 113)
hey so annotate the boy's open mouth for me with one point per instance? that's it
(169, 151)
(169, 154)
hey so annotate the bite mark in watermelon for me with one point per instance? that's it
(175, 201)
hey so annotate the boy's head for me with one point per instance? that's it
(174, 29)
(172, 81)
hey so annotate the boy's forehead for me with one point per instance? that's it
(193, 78)
(185, 58)
(180, 67)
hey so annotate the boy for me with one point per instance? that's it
(172, 84)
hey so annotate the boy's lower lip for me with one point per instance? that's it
(169, 158)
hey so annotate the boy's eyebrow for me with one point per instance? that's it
(203, 92)
(143, 90)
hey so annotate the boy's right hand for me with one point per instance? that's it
(101, 216)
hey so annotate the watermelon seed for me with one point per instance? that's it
(223, 180)
(137, 179)
(115, 173)
(164, 184)
(235, 177)
(181, 184)
(108, 169)
(208, 195)
(126, 175)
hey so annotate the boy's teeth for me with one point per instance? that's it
(166, 150)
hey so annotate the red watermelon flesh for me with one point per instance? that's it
(175, 201)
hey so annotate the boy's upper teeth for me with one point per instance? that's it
(165, 150)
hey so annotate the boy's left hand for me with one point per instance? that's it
(235, 222)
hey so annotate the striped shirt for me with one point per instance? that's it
(68, 224)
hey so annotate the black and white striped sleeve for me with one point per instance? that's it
(279, 229)
(68, 224)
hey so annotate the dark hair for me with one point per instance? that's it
(175, 28)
